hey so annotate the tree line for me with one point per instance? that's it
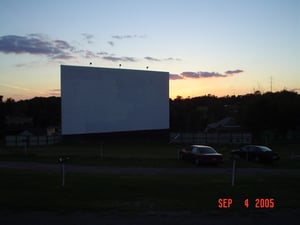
(257, 112)
(43, 112)
(274, 113)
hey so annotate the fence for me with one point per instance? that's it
(211, 138)
(31, 140)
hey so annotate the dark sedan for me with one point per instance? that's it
(256, 153)
(201, 154)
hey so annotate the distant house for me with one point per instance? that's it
(34, 137)
(227, 124)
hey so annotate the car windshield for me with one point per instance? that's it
(206, 150)
(264, 149)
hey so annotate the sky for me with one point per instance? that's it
(216, 47)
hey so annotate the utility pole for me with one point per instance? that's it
(271, 84)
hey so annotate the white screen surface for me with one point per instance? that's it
(100, 100)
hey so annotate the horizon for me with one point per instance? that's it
(255, 92)
(208, 46)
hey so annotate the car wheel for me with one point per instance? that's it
(257, 159)
(197, 162)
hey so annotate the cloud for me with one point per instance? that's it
(36, 44)
(120, 37)
(210, 74)
(102, 53)
(149, 58)
(190, 74)
(88, 37)
(202, 74)
(39, 44)
(172, 59)
(232, 72)
(63, 56)
(55, 92)
(28, 64)
(62, 45)
(118, 59)
(175, 77)
(22, 64)
(20, 88)
(196, 75)
(89, 55)
(111, 43)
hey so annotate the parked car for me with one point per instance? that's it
(256, 153)
(201, 154)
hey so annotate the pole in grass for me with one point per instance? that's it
(101, 151)
(233, 172)
(62, 166)
(234, 158)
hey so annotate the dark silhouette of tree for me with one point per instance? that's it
(193, 114)
(272, 112)
(45, 112)
(277, 112)
(2, 118)
(10, 106)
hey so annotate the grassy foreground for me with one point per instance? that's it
(35, 190)
(31, 190)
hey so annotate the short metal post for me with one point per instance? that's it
(63, 174)
(62, 166)
(233, 172)
(101, 152)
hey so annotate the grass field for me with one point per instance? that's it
(28, 190)
(134, 154)
(36, 190)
